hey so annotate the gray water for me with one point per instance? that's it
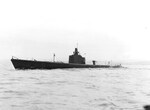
(74, 89)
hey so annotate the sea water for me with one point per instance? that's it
(74, 89)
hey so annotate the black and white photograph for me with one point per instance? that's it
(74, 55)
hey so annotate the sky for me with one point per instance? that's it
(103, 29)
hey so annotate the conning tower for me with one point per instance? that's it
(76, 58)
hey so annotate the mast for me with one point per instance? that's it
(54, 57)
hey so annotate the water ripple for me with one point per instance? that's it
(74, 89)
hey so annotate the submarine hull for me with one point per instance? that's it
(31, 64)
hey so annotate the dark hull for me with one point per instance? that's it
(30, 64)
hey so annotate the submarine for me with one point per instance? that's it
(75, 61)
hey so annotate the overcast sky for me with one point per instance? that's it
(103, 29)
